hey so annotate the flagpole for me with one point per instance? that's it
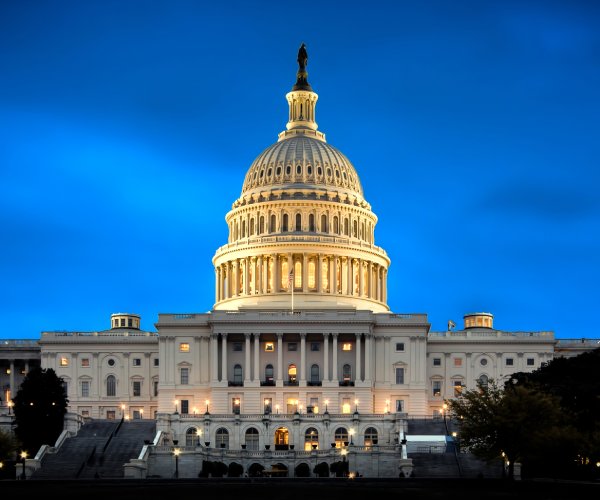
(292, 294)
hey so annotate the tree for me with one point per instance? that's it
(40, 406)
(9, 446)
(235, 470)
(302, 470)
(322, 469)
(511, 424)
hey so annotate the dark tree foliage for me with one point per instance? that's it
(302, 470)
(255, 470)
(340, 468)
(322, 469)
(235, 470)
(9, 446)
(40, 407)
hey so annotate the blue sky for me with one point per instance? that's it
(126, 129)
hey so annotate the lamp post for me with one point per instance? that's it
(10, 405)
(141, 414)
(176, 402)
(23, 457)
(352, 431)
(122, 412)
(443, 411)
(176, 452)
(387, 405)
(344, 452)
(207, 403)
(277, 409)
(326, 403)
(356, 406)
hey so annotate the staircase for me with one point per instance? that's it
(99, 450)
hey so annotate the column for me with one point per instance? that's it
(303, 358)
(370, 280)
(357, 376)
(318, 273)
(332, 280)
(214, 359)
(386, 357)
(368, 340)
(326, 357)
(224, 357)
(276, 273)
(256, 363)
(216, 284)
(334, 367)
(235, 281)
(280, 359)
(247, 368)
(304, 273)
(350, 276)
(360, 278)
(290, 261)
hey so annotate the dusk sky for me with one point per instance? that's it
(127, 127)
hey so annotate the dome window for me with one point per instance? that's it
(269, 172)
(262, 173)
(298, 170)
(344, 175)
(278, 171)
(328, 172)
(288, 170)
(309, 170)
(337, 174)
(319, 171)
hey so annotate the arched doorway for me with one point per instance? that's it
(282, 437)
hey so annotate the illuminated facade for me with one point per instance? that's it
(300, 357)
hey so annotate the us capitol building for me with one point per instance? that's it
(300, 356)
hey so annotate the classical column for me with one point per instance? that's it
(360, 278)
(334, 367)
(386, 359)
(235, 281)
(280, 359)
(304, 273)
(224, 357)
(290, 261)
(214, 359)
(326, 357)
(256, 354)
(247, 368)
(319, 272)
(370, 281)
(276, 273)
(303, 358)
(368, 340)
(332, 273)
(197, 376)
(216, 284)
(357, 377)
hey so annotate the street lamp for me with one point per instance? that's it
(176, 452)
(356, 406)
(207, 403)
(277, 409)
(326, 403)
(10, 405)
(23, 457)
(123, 411)
(352, 431)
(387, 405)
(176, 402)
(141, 414)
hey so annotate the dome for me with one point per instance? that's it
(302, 160)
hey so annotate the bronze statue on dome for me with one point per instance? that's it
(302, 56)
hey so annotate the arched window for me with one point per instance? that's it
(346, 373)
(341, 437)
(269, 375)
(252, 438)
(346, 227)
(273, 224)
(111, 385)
(311, 439)
(312, 274)
(222, 438)
(311, 223)
(237, 374)
(261, 224)
(483, 381)
(323, 223)
(191, 437)
(314, 374)
(298, 222)
(292, 374)
(371, 436)
(297, 274)
(354, 229)
(243, 229)
(251, 232)
(284, 226)
(336, 226)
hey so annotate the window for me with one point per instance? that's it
(399, 375)
(185, 406)
(111, 386)
(371, 436)
(137, 414)
(510, 361)
(347, 346)
(184, 376)
(184, 347)
(269, 347)
(437, 361)
(483, 362)
(156, 362)
(85, 413)
(292, 346)
(155, 385)
(268, 406)
(530, 362)
(292, 372)
(191, 437)
(85, 389)
(237, 346)
(346, 373)
(237, 374)
(111, 414)
(341, 437)
(64, 361)
(252, 437)
(314, 374)
(399, 346)
(483, 381)
(111, 362)
(137, 362)
(292, 405)
(129, 322)
(269, 374)
(458, 387)
(346, 405)
(437, 388)
(235, 405)
(314, 406)
(315, 346)
(399, 405)
(137, 388)
(457, 361)
(85, 362)
(311, 439)
(222, 438)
